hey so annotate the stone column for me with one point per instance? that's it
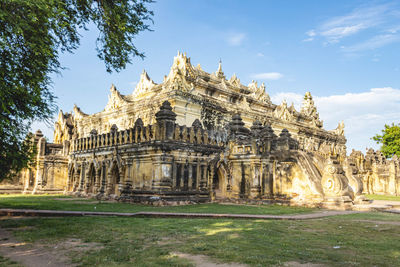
(68, 184)
(108, 183)
(98, 180)
(126, 191)
(198, 173)
(122, 177)
(174, 174)
(182, 180)
(82, 178)
(87, 180)
(76, 179)
(102, 179)
(203, 177)
(135, 171)
(210, 177)
(190, 175)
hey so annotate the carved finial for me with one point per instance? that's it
(38, 134)
(197, 124)
(93, 132)
(165, 112)
(219, 73)
(138, 123)
(114, 128)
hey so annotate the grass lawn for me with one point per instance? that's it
(61, 202)
(365, 239)
(383, 197)
(7, 263)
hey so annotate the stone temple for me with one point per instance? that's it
(199, 137)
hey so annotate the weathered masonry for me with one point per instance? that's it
(199, 136)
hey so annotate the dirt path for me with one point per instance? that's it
(59, 213)
(205, 261)
(28, 254)
(38, 255)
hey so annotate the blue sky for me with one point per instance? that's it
(346, 53)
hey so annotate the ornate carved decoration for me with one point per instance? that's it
(309, 109)
(144, 86)
(219, 73)
(234, 81)
(115, 99)
(340, 129)
(282, 112)
(63, 128)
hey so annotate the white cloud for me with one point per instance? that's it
(308, 39)
(260, 54)
(364, 114)
(335, 34)
(311, 33)
(235, 39)
(373, 43)
(267, 76)
(360, 19)
(394, 29)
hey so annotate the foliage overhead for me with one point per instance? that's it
(32, 35)
(390, 140)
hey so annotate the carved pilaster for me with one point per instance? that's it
(255, 187)
(127, 189)
(162, 172)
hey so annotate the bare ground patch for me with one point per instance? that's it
(35, 255)
(298, 264)
(205, 261)
(379, 222)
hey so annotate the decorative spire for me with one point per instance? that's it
(237, 128)
(257, 128)
(310, 110)
(219, 73)
(115, 99)
(144, 85)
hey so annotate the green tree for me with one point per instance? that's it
(390, 140)
(33, 33)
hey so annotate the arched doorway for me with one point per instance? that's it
(219, 181)
(114, 179)
(71, 176)
(91, 179)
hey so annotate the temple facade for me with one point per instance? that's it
(198, 137)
